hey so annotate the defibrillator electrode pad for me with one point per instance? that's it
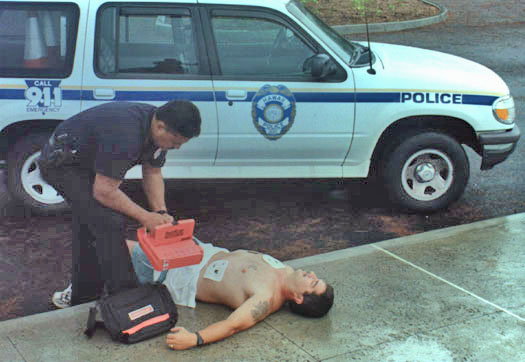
(215, 271)
(274, 263)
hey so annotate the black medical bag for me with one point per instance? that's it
(133, 315)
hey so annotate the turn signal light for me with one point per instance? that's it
(504, 111)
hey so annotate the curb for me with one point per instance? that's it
(423, 237)
(395, 26)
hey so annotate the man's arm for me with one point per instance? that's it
(106, 191)
(153, 185)
(252, 311)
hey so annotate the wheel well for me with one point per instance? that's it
(453, 127)
(12, 133)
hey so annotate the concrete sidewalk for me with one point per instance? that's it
(455, 294)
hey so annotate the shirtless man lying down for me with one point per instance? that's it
(254, 285)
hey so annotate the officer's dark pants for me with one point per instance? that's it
(100, 254)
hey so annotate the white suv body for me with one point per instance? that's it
(281, 95)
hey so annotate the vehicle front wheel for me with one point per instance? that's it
(25, 182)
(426, 172)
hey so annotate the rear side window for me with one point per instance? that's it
(37, 39)
(146, 41)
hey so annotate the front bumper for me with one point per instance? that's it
(497, 146)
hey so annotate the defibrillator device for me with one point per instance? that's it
(171, 246)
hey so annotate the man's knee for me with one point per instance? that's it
(104, 219)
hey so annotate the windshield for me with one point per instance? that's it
(342, 47)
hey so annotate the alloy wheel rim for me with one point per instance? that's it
(34, 184)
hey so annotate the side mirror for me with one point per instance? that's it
(322, 66)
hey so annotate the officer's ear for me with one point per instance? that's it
(158, 126)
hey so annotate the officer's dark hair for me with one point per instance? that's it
(181, 117)
(314, 305)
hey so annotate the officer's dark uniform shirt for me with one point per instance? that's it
(113, 137)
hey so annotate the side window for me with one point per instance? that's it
(37, 39)
(259, 46)
(145, 41)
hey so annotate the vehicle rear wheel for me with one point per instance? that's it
(25, 182)
(426, 172)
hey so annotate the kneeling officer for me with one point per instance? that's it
(86, 160)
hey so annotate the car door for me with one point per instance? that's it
(275, 119)
(153, 54)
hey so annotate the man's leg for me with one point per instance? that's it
(76, 186)
(108, 227)
(93, 223)
(86, 280)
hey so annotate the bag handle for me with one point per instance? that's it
(92, 323)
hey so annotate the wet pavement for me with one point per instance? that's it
(296, 219)
(447, 295)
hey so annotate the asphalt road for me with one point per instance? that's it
(291, 220)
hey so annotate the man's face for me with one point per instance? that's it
(307, 282)
(170, 141)
(164, 138)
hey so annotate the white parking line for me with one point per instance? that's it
(449, 283)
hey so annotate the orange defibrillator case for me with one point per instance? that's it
(171, 246)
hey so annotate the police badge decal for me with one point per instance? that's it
(273, 111)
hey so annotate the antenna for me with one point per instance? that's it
(370, 70)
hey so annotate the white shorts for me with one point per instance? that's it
(181, 282)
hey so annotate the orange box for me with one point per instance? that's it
(171, 246)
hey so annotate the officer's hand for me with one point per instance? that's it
(180, 339)
(155, 219)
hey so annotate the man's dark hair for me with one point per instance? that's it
(181, 116)
(314, 305)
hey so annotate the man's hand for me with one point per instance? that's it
(252, 311)
(181, 339)
(154, 219)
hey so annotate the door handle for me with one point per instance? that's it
(103, 93)
(236, 94)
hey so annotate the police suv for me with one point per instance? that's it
(281, 95)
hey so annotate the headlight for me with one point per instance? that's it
(503, 109)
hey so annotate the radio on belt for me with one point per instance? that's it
(170, 246)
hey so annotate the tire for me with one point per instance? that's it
(426, 172)
(24, 180)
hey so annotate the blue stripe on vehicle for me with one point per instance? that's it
(12, 93)
(306, 97)
(204, 96)
(391, 97)
(324, 97)
(71, 95)
(208, 96)
(478, 100)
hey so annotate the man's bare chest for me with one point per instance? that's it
(233, 278)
